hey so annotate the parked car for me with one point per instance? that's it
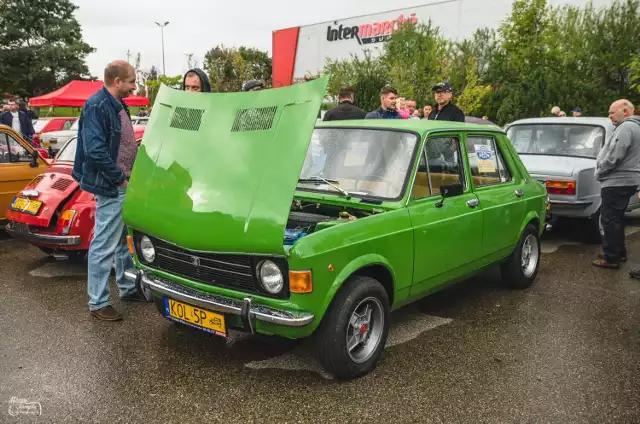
(56, 139)
(47, 125)
(321, 231)
(63, 224)
(561, 153)
(19, 164)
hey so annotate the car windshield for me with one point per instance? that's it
(361, 162)
(557, 139)
(75, 125)
(40, 124)
(68, 152)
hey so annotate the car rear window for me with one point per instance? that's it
(557, 139)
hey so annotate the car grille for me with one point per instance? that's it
(214, 269)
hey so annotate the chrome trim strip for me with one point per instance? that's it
(204, 257)
(219, 303)
(576, 203)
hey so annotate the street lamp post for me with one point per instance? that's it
(164, 71)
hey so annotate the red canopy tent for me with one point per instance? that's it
(76, 93)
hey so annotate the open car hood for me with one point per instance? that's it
(218, 171)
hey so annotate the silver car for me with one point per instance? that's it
(561, 153)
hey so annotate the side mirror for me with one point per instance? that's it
(34, 159)
(450, 190)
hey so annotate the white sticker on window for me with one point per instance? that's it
(486, 158)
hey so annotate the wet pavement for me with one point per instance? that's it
(566, 350)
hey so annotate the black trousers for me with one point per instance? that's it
(614, 204)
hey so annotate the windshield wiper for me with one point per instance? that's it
(332, 183)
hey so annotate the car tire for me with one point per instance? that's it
(358, 316)
(519, 271)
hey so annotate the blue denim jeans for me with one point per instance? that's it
(109, 243)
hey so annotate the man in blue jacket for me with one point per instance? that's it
(105, 155)
(387, 110)
(18, 120)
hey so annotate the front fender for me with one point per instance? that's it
(530, 216)
(350, 269)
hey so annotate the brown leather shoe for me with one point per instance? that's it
(107, 314)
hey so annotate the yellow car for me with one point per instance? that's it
(19, 164)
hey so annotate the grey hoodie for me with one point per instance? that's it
(618, 163)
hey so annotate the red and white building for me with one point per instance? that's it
(303, 50)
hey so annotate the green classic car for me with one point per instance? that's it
(244, 214)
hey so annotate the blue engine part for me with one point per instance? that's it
(292, 235)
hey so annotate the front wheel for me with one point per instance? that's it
(521, 268)
(354, 331)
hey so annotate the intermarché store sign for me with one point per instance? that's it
(369, 33)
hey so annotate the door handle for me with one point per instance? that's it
(473, 203)
(519, 193)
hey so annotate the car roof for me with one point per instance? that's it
(421, 126)
(584, 120)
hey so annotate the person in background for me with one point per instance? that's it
(104, 159)
(253, 85)
(196, 81)
(576, 112)
(426, 111)
(387, 109)
(346, 109)
(5, 108)
(618, 171)
(562, 114)
(485, 117)
(23, 108)
(18, 120)
(416, 114)
(401, 105)
(555, 111)
(410, 107)
(445, 110)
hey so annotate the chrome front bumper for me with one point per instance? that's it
(245, 309)
(22, 232)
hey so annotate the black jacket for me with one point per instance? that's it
(450, 112)
(26, 127)
(204, 79)
(346, 110)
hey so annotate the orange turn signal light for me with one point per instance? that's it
(300, 282)
(130, 244)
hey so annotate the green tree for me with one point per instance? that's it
(474, 95)
(229, 68)
(154, 85)
(41, 46)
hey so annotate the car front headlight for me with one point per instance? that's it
(271, 277)
(147, 250)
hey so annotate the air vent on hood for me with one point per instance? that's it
(36, 180)
(257, 119)
(62, 184)
(185, 118)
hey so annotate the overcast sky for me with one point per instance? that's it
(113, 27)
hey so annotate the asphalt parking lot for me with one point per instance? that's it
(566, 350)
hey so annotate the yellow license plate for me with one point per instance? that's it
(201, 318)
(26, 205)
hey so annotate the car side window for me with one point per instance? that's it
(486, 161)
(4, 149)
(67, 125)
(440, 164)
(17, 153)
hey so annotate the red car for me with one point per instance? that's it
(64, 222)
(45, 125)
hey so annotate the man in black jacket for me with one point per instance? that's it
(346, 109)
(196, 80)
(445, 110)
(19, 121)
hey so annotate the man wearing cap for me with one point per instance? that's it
(445, 110)
(576, 112)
